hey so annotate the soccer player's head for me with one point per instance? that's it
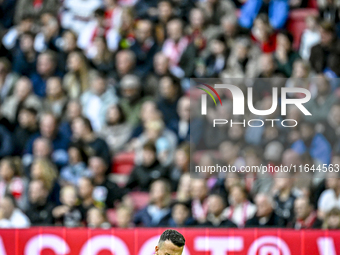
(171, 242)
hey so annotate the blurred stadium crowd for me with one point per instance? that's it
(95, 112)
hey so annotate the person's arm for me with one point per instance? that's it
(278, 13)
(10, 38)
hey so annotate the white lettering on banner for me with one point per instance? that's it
(238, 100)
(105, 242)
(218, 245)
(269, 245)
(2, 248)
(47, 241)
(326, 246)
(148, 247)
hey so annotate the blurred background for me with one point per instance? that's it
(95, 113)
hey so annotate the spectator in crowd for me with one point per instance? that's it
(332, 220)
(73, 110)
(56, 98)
(49, 34)
(317, 145)
(26, 128)
(284, 55)
(48, 128)
(21, 97)
(106, 193)
(125, 63)
(11, 216)
(320, 106)
(265, 215)
(68, 213)
(242, 61)
(12, 182)
(25, 57)
(329, 45)
(85, 187)
(79, 77)
(158, 212)
(284, 197)
(179, 50)
(40, 208)
(165, 10)
(181, 164)
(116, 130)
(160, 69)
(240, 209)
(305, 216)
(46, 68)
(76, 167)
(43, 169)
(214, 10)
(76, 15)
(199, 194)
(181, 215)
(96, 101)
(96, 218)
(91, 144)
(101, 56)
(68, 44)
(170, 92)
(131, 101)
(329, 198)
(310, 37)
(150, 169)
(144, 47)
(216, 216)
(124, 217)
(7, 79)
(95, 28)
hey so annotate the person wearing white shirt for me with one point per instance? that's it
(330, 198)
(10, 215)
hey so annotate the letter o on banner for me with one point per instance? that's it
(148, 247)
(104, 242)
(46, 241)
(269, 245)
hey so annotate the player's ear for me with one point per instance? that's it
(156, 250)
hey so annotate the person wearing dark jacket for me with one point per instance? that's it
(216, 216)
(265, 216)
(158, 212)
(150, 170)
(328, 47)
(40, 208)
(106, 193)
(305, 216)
(144, 47)
(27, 126)
(181, 215)
(91, 144)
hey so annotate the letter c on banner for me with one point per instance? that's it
(269, 245)
(104, 242)
(148, 247)
(47, 241)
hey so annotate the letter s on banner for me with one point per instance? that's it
(269, 245)
(148, 247)
(105, 242)
(219, 245)
(47, 241)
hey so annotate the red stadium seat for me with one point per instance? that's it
(123, 163)
(139, 199)
(296, 23)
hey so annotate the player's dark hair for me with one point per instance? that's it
(174, 236)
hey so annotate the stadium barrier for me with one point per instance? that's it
(139, 241)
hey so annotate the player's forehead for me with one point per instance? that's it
(168, 248)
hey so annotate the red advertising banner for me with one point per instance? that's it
(139, 241)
